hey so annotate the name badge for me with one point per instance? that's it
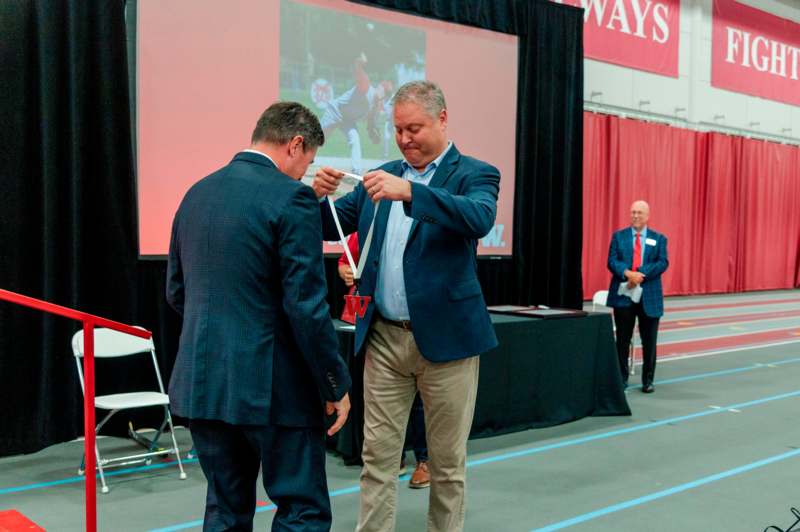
(650, 241)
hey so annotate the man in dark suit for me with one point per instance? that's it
(258, 354)
(637, 257)
(428, 321)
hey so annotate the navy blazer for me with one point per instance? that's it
(620, 258)
(246, 273)
(446, 306)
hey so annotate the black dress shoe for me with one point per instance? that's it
(648, 388)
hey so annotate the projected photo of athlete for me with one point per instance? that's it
(346, 68)
(362, 101)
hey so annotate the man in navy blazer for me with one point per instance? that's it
(637, 257)
(428, 320)
(258, 361)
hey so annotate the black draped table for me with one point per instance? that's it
(544, 372)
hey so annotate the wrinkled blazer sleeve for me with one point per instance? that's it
(304, 290)
(615, 265)
(175, 287)
(470, 214)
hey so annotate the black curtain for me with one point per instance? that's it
(68, 228)
(68, 202)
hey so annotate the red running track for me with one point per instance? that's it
(687, 323)
(669, 349)
(732, 305)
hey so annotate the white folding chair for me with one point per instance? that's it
(113, 344)
(601, 298)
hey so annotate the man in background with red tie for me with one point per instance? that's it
(637, 257)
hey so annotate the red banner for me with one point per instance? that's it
(755, 53)
(640, 34)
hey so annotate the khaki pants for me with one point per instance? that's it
(394, 370)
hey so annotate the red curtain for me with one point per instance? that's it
(729, 206)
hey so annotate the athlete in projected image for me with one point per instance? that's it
(363, 101)
(388, 126)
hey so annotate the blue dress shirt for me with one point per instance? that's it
(390, 292)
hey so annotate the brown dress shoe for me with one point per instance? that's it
(420, 478)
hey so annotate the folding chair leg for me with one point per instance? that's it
(103, 422)
(632, 359)
(174, 443)
(104, 487)
(82, 467)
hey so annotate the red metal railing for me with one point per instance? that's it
(89, 321)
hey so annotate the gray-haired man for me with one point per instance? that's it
(429, 321)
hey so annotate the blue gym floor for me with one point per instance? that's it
(714, 448)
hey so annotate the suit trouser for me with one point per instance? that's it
(416, 428)
(293, 470)
(394, 370)
(625, 319)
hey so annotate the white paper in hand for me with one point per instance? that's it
(353, 176)
(635, 293)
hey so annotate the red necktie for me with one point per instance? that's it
(637, 253)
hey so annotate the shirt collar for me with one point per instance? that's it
(431, 165)
(643, 232)
(251, 150)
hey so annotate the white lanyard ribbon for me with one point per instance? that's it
(362, 259)
(342, 238)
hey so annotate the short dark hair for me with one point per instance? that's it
(282, 121)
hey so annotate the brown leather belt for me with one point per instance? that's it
(403, 324)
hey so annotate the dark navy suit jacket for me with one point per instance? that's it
(446, 306)
(620, 258)
(246, 273)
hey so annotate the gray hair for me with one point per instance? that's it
(282, 121)
(426, 94)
